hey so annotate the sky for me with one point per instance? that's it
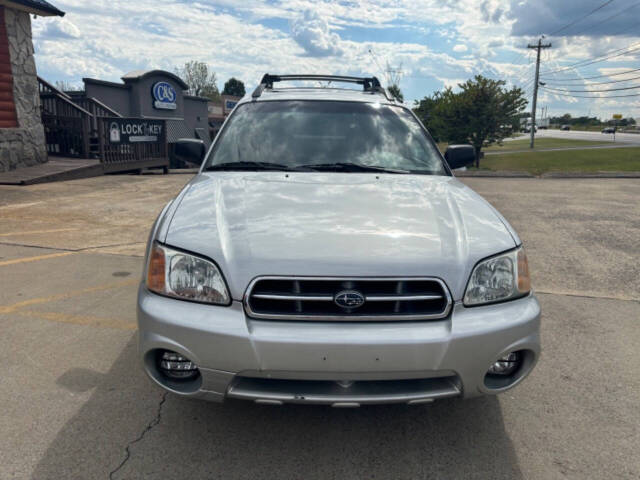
(428, 44)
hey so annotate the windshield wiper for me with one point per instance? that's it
(352, 167)
(250, 166)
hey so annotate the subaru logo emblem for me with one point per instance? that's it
(349, 299)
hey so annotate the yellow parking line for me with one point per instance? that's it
(80, 319)
(63, 296)
(34, 259)
(34, 232)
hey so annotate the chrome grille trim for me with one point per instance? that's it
(411, 391)
(299, 298)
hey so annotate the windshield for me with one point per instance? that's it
(315, 135)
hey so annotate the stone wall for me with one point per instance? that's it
(23, 146)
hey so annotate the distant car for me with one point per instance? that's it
(565, 127)
(609, 130)
(527, 129)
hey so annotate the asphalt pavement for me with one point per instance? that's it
(76, 404)
(631, 138)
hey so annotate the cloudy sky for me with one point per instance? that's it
(432, 43)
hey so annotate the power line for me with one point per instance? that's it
(584, 63)
(579, 79)
(594, 96)
(602, 58)
(592, 91)
(599, 83)
(606, 19)
(581, 18)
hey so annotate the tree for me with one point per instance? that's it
(66, 86)
(234, 87)
(395, 92)
(481, 113)
(201, 81)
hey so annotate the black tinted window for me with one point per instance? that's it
(297, 133)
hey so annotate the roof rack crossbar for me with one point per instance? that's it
(369, 84)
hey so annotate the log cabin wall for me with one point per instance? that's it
(22, 140)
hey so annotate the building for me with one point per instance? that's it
(22, 139)
(156, 95)
(219, 111)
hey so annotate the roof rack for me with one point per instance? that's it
(369, 84)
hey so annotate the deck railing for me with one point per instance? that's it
(78, 126)
(130, 156)
(66, 125)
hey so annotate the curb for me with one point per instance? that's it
(591, 175)
(565, 149)
(492, 174)
(559, 175)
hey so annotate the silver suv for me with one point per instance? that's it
(325, 254)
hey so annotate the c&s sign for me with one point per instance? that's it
(164, 96)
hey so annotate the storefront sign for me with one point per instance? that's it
(164, 96)
(230, 104)
(135, 130)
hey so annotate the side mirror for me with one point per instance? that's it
(459, 156)
(190, 150)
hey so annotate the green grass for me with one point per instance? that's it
(540, 143)
(594, 160)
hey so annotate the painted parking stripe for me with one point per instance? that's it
(35, 259)
(35, 232)
(64, 296)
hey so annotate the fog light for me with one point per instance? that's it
(506, 365)
(175, 366)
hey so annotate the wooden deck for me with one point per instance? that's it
(55, 170)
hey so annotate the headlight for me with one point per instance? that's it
(499, 278)
(181, 275)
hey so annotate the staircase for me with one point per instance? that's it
(71, 121)
(77, 127)
(8, 118)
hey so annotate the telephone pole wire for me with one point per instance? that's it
(539, 47)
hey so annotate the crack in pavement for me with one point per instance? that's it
(148, 428)
(595, 297)
(83, 249)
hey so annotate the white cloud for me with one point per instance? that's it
(312, 33)
(59, 28)
(246, 39)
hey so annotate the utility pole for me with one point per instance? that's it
(538, 47)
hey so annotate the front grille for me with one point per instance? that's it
(314, 298)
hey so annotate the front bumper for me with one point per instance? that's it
(275, 362)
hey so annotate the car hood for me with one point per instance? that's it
(336, 224)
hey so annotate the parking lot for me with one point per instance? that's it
(76, 404)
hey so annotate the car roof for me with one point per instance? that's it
(320, 94)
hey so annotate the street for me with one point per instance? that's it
(77, 405)
(632, 138)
